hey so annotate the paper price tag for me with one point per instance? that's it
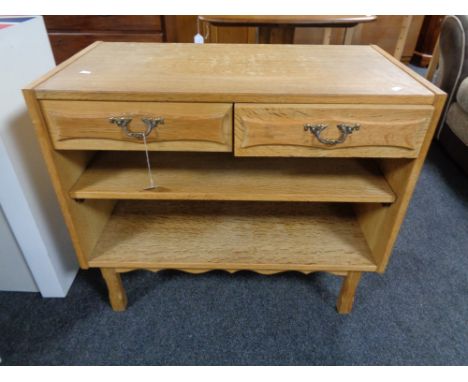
(198, 39)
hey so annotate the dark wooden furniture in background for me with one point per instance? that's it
(70, 34)
(280, 29)
(384, 32)
(427, 40)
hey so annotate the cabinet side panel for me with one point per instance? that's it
(85, 220)
(381, 224)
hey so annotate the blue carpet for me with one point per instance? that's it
(421, 71)
(414, 314)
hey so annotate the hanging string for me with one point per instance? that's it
(150, 175)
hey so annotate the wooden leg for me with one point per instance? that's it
(117, 296)
(345, 301)
(403, 36)
(288, 35)
(357, 34)
(348, 36)
(434, 62)
(252, 35)
(327, 32)
(282, 35)
(213, 34)
(264, 35)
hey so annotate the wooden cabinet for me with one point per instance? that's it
(69, 34)
(276, 196)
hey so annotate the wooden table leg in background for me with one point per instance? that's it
(327, 32)
(207, 30)
(263, 35)
(275, 35)
(117, 296)
(403, 36)
(348, 36)
(348, 290)
(287, 35)
(434, 62)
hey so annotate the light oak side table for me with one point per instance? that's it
(265, 158)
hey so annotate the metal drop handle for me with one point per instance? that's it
(123, 123)
(345, 130)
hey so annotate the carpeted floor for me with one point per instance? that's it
(416, 313)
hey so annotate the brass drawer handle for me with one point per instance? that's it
(150, 123)
(344, 128)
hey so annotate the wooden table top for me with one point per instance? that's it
(304, 20)
(235, 73)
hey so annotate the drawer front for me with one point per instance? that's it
(330, 130)
(85, 125)
(107, 23)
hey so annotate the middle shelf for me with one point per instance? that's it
(220, 176)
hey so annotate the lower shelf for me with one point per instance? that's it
(233, 236)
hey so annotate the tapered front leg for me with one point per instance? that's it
(345, 301)
(117, 296)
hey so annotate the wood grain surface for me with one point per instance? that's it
(187, 126)
(103, 23)
(68, 34)
(65, 45)
(381, 225)
(197, 176)
(86, 220)
(235, 73)
(222, 235)
(278, 130)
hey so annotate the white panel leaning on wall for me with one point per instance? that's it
(26, 195)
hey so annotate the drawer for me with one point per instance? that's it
(86, 125)
(330, 130)
(106, 23)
